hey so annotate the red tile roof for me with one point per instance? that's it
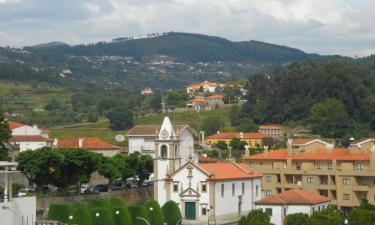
(88, 143)
(29, 138)
(301, 141)
(14, 125)
(343, 154)
(216, 96)
(229, 171)
(293, 197)
(232, 135)
(204, 159)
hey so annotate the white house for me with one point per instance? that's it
(289, 202)
(25, 137)
(142, 138)
(209, 191)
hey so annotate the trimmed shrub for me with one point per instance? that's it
(138, 211)
(121, 216)
(101, 216)
(81, 215)
(114, 202)
(172, 212)
(60, 212)
(297, 219)
(154, 212)
(101, 203)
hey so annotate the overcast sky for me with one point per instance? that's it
(345, 27)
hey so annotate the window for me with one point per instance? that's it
(204, 188)
(233, 188)
(175, 187)
(346, 196)
(222, 190)
(268, 178)
(318, 208)
(364, 181)
(267, 192)
(298, 165)
(346, 180)
(359, 166)
(204, 210)
(163, 152)
(176, 151)
(330, 167)
(256, 190)
(310, 179)
(318, 165)
(269, 211)
(243, 188)
(363, 196)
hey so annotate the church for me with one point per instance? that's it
(205, 192)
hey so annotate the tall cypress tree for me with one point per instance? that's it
(5, 134)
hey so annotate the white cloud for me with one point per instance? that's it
(327, 27)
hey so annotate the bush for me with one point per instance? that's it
(155, 215)
(255, 217)
(138, 211)
(100, 203)
(121, 215)
(81, 215)
(101, 216)
(327, 217)
(297, 219)
(116, 202)
(173, 213)
(60, 212)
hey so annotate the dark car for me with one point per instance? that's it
(100, 188)
(147, 183)
(117, 186)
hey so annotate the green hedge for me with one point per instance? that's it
(81, 215)
(101, 203)
(121, 215)
(104, 218)
(155, 215)
(60, 212)
(114, 202)
(138, 211)
(172, 213)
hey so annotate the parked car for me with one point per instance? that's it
(132, 183)
(147, 183)
(23, 192)
(100, 188)
(117, 186)
(86, 188)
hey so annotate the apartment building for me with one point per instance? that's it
(275, 131)
(344, 175)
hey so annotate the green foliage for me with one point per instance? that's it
(237, 144)
(172, 213)
(101, 216)
(107, 167)
(135, 212)
(246, 125)
(363, 215)
(176, 99)
(53, 104)
(256, 217)
(221, 145)
(60, 212)
(121, 215)
(81, 215)
(155, 215)
(327, 217)
(120, 118)
(329, 119)
(213, 124)
(297, 219)
(5, 134)
(114, 202)
(142, 165)
(99, 203)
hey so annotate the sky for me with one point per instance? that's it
(345, 27)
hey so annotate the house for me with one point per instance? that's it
(215, 99)
(93, 144)
(275, 131)
(147, 91)
(204, 86)
(252, 139)
(198, 105)
(343, 175)
(292, 201)
(205, 191)
(25, 137)
(202, 103)
(142, 138)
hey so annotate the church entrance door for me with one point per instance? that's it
(190, 210)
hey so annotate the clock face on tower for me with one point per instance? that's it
(164, 134)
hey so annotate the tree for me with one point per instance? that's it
(136, 212)
(40, 166)
(222, 145)
(234, 115)
(124, 167)
(60, 212)
(297, 219)
(5, 134)
(213, 124)
(368, 110)
(81, 216)
(329, 119)
(121, 215)
(237, 144)
(327, 217)
(53, 104)
(363, 215)
(256, 217)
(120, 118)
(155, 215)
(141, 164)
(108, 168)
(246, 125)
(172, 213)
(100, 216)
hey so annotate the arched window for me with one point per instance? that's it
(175, 150)
(164, 152)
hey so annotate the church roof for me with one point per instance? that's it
(152, 130)
(229, 171)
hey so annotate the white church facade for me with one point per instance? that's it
(209, 191)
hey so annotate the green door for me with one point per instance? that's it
(190, 210)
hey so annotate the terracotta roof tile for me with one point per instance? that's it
(229, 171)
(29, 138)
(301, 141)
(88, 143)
(14, 125)
(215, 96)
(293, 197)
(232, 135)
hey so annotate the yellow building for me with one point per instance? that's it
(344, 175)
(252, 139)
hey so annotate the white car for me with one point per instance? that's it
(85, 187)
(23, 192)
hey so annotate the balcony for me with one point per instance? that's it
(360, 188)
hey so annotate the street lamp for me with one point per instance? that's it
(70, 217)
(97, 214)
(141, 218)
(117, 212)
(346, 221)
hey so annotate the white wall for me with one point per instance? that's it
(106, 152)
(26, 130)
(32, 145)
(229, 203)
(186, 142)
(20, 208)
(139, 143)
(277, 217)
